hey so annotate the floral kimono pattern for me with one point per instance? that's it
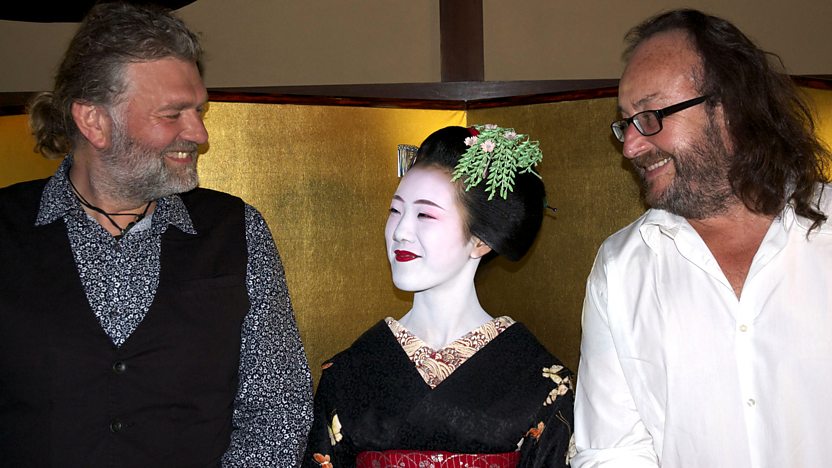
(506, 394)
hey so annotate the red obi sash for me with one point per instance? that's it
(428, 459)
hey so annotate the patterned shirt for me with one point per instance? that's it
(273, 406)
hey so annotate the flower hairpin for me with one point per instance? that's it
(497, 155)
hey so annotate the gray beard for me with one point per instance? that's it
(701, 188)
(138, 174)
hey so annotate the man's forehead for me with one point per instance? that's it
(661, 66)
(169, 78)
(666, 52)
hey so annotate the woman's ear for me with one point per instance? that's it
(93, 122)
(480, 248)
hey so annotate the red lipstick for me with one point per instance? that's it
(405, 256)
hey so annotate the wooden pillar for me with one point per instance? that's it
(461, 40)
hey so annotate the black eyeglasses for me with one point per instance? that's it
(649, 122)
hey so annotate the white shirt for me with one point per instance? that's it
(677, 372)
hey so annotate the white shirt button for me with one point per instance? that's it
(743, 328)
(751, 402)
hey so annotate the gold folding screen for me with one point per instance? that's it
(323, 175)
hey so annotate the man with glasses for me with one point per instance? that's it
(707, 323)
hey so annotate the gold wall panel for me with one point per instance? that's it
(18, 160)
(822, 100)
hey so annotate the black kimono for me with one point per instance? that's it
(511, 393)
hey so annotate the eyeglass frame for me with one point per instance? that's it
(658, 113)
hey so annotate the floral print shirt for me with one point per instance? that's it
(273, 406)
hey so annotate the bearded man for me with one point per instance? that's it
(707, 321)
(146, 322)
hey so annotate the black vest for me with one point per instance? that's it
(69, 397)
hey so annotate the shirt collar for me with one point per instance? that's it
(58, 200)
(658, 222)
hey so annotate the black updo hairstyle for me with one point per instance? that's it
(509, 226)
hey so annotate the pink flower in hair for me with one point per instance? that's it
(471, 141)
(488, 146)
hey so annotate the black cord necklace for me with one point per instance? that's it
(109, 216)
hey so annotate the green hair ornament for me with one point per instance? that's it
(497, 154)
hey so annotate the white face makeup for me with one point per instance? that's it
(426, 240)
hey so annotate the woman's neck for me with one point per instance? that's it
(441, 315)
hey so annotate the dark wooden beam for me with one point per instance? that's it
(461, 95)
(461, 40)
(457, 95)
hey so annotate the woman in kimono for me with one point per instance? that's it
(448, 385)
